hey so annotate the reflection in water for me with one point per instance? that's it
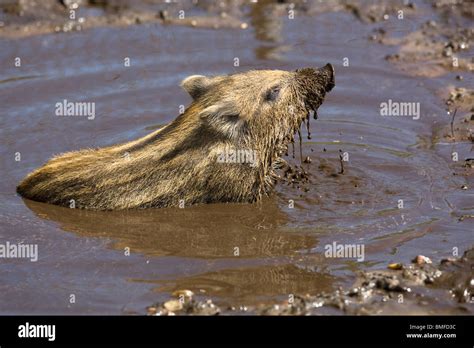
(199, 231)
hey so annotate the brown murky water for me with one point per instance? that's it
(281, 249)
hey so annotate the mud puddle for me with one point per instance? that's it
(401, 193)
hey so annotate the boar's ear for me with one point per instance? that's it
(223, 118)
(196, 85)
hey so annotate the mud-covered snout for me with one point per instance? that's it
(329, 76)
(314, 83)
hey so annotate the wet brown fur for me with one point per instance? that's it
(178, 163)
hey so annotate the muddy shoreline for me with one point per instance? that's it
(345, 185)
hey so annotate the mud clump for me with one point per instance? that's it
(463, 8)
(296, 175)
(438, 46)
(394, 291)
(386, 291)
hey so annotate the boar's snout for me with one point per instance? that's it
(329, 76)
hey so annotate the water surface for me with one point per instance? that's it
(281, 249)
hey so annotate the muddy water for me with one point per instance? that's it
(280, 249)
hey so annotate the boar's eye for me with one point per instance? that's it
(272, 94)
